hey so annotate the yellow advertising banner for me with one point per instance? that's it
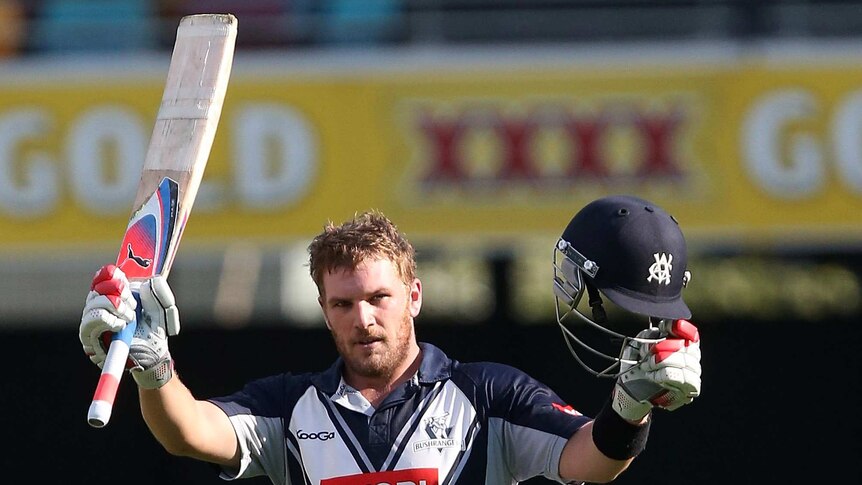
(740, 153)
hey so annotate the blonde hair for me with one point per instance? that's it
(367, 236)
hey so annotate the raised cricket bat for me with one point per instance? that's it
(174, 165)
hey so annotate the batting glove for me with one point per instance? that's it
(152, 366)
(667, 373)
(109, 306)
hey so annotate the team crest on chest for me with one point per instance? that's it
(438, 430)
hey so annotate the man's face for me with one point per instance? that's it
(370, 313)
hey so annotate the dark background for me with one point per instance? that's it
(778, 403)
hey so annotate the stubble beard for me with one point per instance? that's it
(383, 362)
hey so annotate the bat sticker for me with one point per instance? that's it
(142, 262)
(149, 233)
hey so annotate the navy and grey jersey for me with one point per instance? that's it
(452, 423)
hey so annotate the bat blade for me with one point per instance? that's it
(144, 250)
(177, 155)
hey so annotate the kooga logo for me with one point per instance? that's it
(320, 435)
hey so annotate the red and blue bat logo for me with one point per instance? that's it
(148, 236)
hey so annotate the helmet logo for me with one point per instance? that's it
(660, 269)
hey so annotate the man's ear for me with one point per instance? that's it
(415, 295)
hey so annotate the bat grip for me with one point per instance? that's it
(112, 371)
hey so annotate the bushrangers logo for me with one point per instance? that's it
(438, 429)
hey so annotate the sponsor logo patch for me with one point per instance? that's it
(415, 476)
(319, 435)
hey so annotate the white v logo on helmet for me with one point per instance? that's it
(660, 269)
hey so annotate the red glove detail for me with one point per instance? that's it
(107, 284)
(666, 348)
(685, 330)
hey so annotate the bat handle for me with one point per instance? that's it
(112, 371)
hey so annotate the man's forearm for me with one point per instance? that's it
(187, 427)
(582, 460)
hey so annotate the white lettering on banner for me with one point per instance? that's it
(276, 155)
(107, 127)
(800, 172)
(847, 140)
(790, 163)
(37, 191)
(275, 158)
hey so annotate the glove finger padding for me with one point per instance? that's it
(668, 372)
(109, 306)
(158, 300)
(97, 326)
(675, 365)
(149, 353)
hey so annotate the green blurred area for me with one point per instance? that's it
(767, 288)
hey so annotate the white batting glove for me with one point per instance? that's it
(152, 366)
(667, 375)
(109, 306)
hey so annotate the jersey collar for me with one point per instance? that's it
(436, 366)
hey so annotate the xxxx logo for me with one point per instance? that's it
(580, 140)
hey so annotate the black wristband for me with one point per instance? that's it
(615, 437)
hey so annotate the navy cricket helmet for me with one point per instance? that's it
(630, 251)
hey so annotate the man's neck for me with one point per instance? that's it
(375, 389)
